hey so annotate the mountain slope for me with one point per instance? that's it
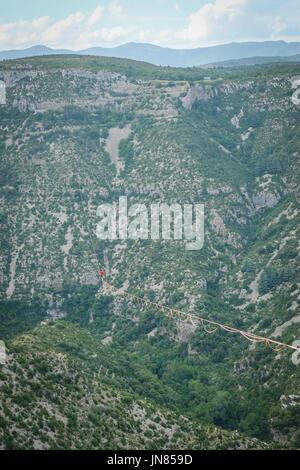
(62, 391)
(254, 61)
(77, 132)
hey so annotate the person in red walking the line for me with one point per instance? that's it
(102, 273)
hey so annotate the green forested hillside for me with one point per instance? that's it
(80, 398)
(77, 132)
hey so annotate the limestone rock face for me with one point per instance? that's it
(79, 133)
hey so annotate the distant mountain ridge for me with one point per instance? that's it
(174, 57)
(248, 61)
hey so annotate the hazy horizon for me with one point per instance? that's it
(151, 44)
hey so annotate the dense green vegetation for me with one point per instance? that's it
(145, 71)
(64, 366)
(230, 142)
(17, 317)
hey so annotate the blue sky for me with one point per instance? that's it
(79, 24)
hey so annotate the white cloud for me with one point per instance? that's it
(142, 35)
(163, 36)
(177, 7)
(76, 31)
(103, 35)
(96, 16)
(115, 8)
(40, 23)
(276, 25)
(210, 18)
(60, 28)
(114, 34)
(23, 32)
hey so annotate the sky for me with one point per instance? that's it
(79, 24)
